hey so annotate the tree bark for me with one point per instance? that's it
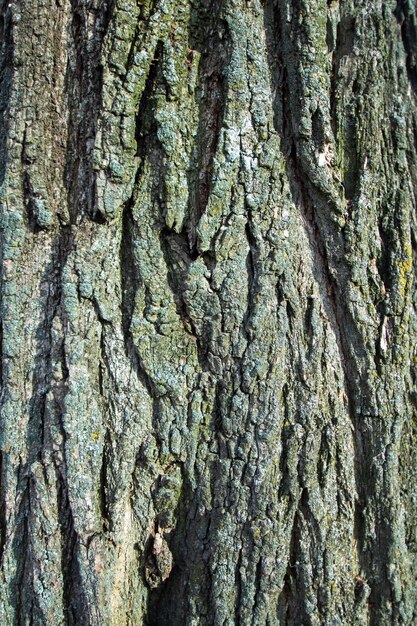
(208, 303)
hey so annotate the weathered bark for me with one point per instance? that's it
(208, 307)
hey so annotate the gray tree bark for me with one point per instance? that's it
(208, 307)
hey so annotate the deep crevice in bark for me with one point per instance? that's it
(20, 587)
(145, 123)
(208, 35)
(129, 284)
(287, 601)
(75, 602)
(84, 91)
(3, 526)
(407, 20)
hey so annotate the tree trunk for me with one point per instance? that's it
(208, 305)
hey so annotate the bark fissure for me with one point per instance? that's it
(84, 89)
(209, 37)
(75, 604)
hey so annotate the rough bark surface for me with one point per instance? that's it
(208, 308)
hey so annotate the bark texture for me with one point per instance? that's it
(208, 307)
